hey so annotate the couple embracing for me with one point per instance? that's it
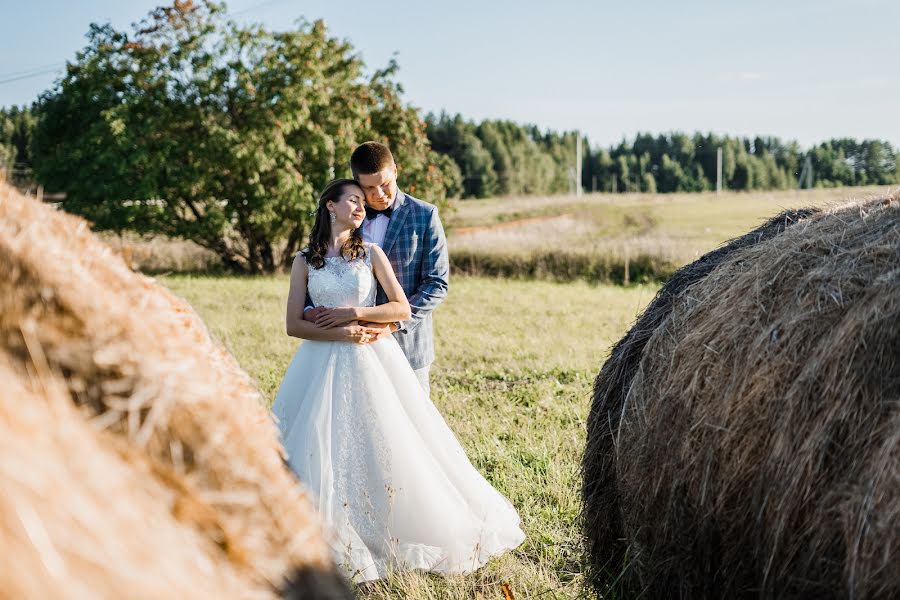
(389, 478)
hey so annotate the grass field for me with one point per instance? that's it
(612, 237)
(516, 357)
(516, 361)
(690, 215)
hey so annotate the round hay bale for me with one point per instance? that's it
(141, 366)
(745, 434)
(83, 516)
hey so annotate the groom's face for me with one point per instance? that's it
(380, 188)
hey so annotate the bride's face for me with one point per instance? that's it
(349, 209)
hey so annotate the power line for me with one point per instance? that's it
(46, 69)
(30, 75)
(255, 7)
(29, 70)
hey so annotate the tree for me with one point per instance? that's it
(508, 174)
(622, 173)
(477, 166)
(457, 138)
(670, 175)
(16, 127)
(729, 162)
(7, 152)
(7, 148)
(196, 127)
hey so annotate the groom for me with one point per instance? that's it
(411, 235)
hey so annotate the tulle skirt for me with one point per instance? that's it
(390, 480)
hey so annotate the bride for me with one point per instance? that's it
(390, 480)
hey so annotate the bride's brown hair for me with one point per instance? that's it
(321, 230)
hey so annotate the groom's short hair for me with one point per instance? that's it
(370, 158)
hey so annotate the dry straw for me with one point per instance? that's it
(163, 413)
(83, 516)
(744, 438)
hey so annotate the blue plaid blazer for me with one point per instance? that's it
(417, 250)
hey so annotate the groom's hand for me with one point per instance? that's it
(384, 329)
(311, 314)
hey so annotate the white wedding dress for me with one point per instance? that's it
(390, 480)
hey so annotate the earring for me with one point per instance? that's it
(333, 218)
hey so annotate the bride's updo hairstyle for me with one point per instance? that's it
(321, 230)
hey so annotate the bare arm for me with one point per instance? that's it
(397, 306)
(297, 327)
(395, 309)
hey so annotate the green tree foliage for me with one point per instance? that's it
(200, 128)
(457, 139)
(501, 157)
(16, 127)
(845, 161)
(7, 156)
(560, 147)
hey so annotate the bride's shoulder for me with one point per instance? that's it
(374, 252)
(300, 259)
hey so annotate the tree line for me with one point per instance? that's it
(505, 158)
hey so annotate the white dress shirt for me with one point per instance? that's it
(373, 230)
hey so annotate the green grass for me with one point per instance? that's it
(516, 362)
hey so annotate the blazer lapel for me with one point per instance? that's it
(395, 225)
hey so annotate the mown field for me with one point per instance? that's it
(516, 361)
(618, 238)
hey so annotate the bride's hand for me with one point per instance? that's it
(359, 334)
(335, 317)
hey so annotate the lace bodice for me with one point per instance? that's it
(343, 283)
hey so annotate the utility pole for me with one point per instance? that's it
(718, 170)
(578, 163)
(807, 173)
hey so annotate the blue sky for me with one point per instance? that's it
(795, 69)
